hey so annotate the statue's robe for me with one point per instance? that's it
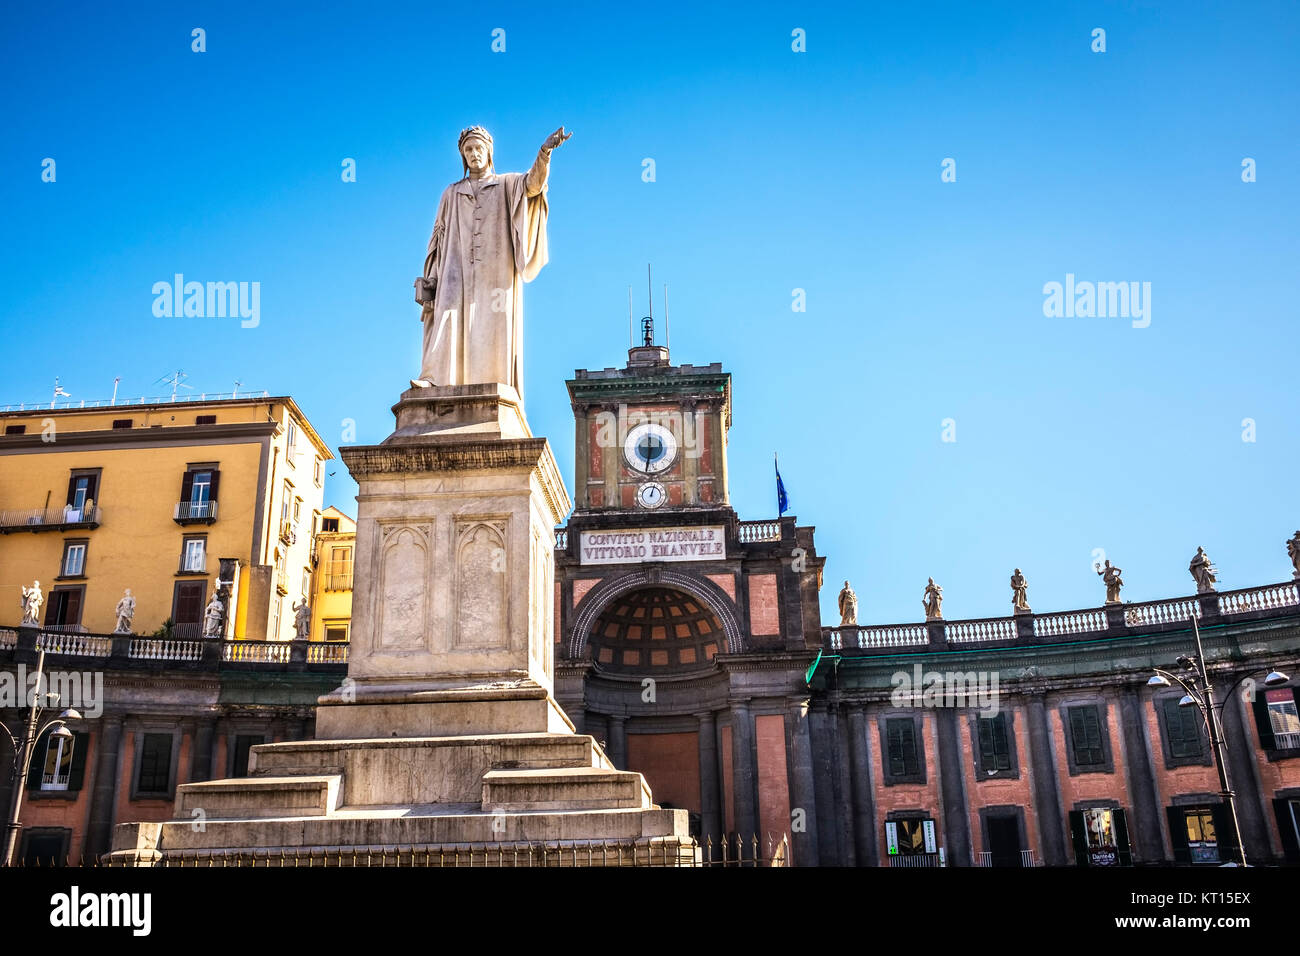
(482, 250)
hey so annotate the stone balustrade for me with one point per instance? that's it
(137, 650)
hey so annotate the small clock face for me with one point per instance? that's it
(651, 495)
(650, 448)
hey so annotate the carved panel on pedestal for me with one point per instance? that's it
(404, 571)
(482, 591)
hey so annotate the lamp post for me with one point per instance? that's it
(1202, 698)
(23, 754)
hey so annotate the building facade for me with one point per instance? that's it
(159, 497)
(331, 595)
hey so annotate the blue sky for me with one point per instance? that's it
(775, 170)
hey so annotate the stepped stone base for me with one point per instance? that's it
(526, 799)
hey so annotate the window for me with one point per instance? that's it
(995, 749)
(58, 763)
(121, 423)
(286, 503)
(1100, 837)
(194, 556)
(74, 559)
(306, 582)
(15, 429)
(276, 607)
(188, 600)
(205, 420)
(297, 510)
(1284, 717)
(338, 572)
(291, 444)
(317, 471)
(1085, 737)
(154, 766)
(1099, 828)
(45, 846)
(1202, 843)
(63, 607)
(336, 632)
(1183, 729)
(329, 524)
(901, 752)
(82, 488)
(910, 837)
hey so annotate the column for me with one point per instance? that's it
(201, 756)
(710, 800)
(1243, 776)
(1144, 832)
(864, 818)
(803, 790)
(108, 763)
(952, 788)
(824, 748)
(618, 740)
(743, 770)
(841, 786)
(1047, 796)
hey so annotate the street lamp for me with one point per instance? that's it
(1202, 698)
(23, 754)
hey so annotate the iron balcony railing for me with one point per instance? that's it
(195, 511)
(51, 519)
(985, 858)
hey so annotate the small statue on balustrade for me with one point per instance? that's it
(302, 620)
(1202, 572)
(933, 601)
(32, 600)
(1110, 576)
(1019, 593)
(848, 606)
(1293, 549)
(214, 617)
(125, 613)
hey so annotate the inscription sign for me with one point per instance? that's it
(701, 543)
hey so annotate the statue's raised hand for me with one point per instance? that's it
(555, 139)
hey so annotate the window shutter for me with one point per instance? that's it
(216, 480)
(1224, 832)
(92, 487)
(77, 772)
(72, 488)
(1079, 836)
(1122, 849)
(891, 838)
(52, 608)
(988, 752)
(36, 769)
(1178, 834)
(927, 830)
(1286, 828)
(1263, 723)
(73, 614)
(187, 485)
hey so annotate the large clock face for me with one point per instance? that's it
(650, 448)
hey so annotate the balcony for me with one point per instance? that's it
(338, 576)
(287, 534)
(282, 580)
(195, 512)
(50, 519)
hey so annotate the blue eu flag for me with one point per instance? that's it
(782, 502)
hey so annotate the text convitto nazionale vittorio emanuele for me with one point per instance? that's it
(661, 544)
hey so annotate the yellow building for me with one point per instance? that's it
(331, 597)
(160, 497)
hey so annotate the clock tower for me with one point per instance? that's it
(651, 436)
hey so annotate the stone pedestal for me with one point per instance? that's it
(445, 742)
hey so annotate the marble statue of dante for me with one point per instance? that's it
(1293, 550)
(213, 615)
(125, 613)
(1202, 571)
(32, 600)
(848, 606)
(1110, 576)
(1019, 592)
(933, 602)
(489, 238)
